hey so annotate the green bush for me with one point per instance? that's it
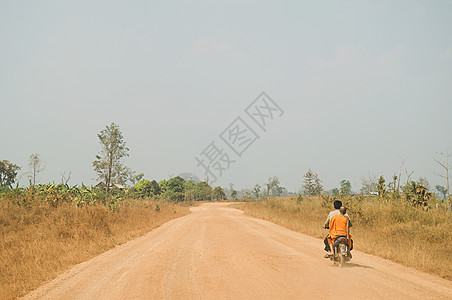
(143, 188)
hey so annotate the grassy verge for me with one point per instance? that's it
(39, 242)
(391, 229)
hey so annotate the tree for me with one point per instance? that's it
(155, 188)
(229, 190)
(335, 192)
(218, 194)
(163, 183)
(273, 187)
(408, 176)
(136, 178)
(281, 191)
(443, 161)
(381, 187)
(400, 176)
(312, 184)
(418, 193)
(256, 191)
(143, 187)
(108, 164)
(203, 191)
(175, 189)
(442, 190)
(369, 185)
(234, 194)
(8, 173)
(36, 166)
(392, 187)
(346, 187)
(65, 178)
(190, 189)
(147, 189)
(423, 181)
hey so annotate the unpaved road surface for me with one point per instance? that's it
(217, 252)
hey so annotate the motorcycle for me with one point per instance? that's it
(341, 251)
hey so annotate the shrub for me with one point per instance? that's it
(143, 188)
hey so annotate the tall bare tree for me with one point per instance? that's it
(408, 176)
(369, 184)
(65, 178)
(400, 175)
(443, 161)
(36, 166)
(273, 187)
(108, 164)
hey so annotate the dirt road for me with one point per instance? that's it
(217, 252)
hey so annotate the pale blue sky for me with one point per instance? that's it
(363, 85)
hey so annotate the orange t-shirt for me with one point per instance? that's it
(338, 226)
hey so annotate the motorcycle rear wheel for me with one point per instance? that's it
(341, 261)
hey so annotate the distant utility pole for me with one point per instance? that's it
(443, 161)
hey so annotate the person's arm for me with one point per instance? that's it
(327, 223)
(349, 221)
(348, 228)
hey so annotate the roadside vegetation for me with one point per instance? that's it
(43, 234)
(47, 228)
(406, 223)
(392, 228)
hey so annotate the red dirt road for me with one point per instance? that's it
(217, 252)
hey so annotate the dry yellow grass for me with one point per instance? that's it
(39, 242)
(390, 229)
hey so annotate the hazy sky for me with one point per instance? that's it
(362, 85)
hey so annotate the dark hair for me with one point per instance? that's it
(337, 204)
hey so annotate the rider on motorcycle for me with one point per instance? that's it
(339, 226)
(337, 205)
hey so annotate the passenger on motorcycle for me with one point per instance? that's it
(337, 205)
(339, 226)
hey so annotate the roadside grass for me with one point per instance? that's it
(391, 229)
(39, 241)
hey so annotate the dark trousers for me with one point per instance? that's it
(327, 246)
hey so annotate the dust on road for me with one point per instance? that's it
(217, 252)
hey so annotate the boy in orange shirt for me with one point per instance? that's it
(337, 205)
(339, 226)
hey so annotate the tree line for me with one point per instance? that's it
(113, 173)
(418, 193)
